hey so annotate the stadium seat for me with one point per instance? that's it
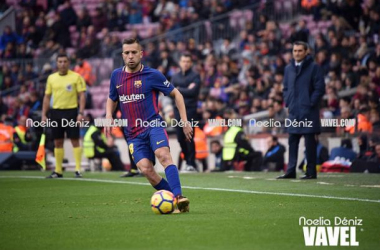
(72, 28)
(248, 14)
(13, 2)
(324, 24)
(307, 18)
(278, 6)
(311, 25)
(42, 3)
(70, 51)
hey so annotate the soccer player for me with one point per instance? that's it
(136, 87)
(65, 86)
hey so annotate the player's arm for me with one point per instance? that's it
(46, 101)
(82, 104)
(45, 107)
(81, 90)
(187, 129)
(110, 108)
(111, 104)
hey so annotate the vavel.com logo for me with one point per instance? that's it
(326, 232)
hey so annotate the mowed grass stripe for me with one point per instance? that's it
(209, 189)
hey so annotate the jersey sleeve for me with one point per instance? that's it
(160, 83)
(113, 91)
(81, 84)
(48, 89)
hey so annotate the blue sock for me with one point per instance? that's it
(163, 185)
(173, 178)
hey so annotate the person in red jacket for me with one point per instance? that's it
(84, 69)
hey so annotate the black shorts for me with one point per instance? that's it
(61, 118)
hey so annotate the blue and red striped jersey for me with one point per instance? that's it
(137, 94)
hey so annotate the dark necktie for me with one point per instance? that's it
(298, 68)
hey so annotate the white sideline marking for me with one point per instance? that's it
(249, 178)
(202, 188)
(371, 186)
(325, 183)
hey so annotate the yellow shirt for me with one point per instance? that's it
(65, 89)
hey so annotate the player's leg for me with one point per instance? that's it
(171, 172)
(77, 156)
(58, 134)
(74, 134)
(143, 156)
(58, 154)
(188, 149)
(146, 167)
(159, 142)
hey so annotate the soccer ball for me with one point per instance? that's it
(163, 202)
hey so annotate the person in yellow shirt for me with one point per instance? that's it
(64, 86)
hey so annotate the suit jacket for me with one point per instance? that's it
(303, 91)
(182, 81)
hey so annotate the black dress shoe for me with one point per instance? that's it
(308, 177)
(287, 176)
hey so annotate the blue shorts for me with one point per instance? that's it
(144, 145)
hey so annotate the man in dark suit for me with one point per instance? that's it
(188, 83)
(303, 89)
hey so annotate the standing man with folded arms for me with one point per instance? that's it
(188, 83)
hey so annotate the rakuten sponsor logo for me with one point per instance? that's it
(131, 98)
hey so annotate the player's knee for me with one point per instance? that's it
(147, 171)
(145, 167)
(58, 143)
(164, 158)
(75, 143)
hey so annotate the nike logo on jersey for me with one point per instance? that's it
(118, 86)
(160, 142)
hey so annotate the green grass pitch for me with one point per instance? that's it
(227, 211)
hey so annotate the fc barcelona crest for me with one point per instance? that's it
(138, 84)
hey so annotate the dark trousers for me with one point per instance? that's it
(203, 161)
(113, 158)
(253, 162)
(311, 153)
(188, 148)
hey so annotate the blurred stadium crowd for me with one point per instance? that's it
(243, 70)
